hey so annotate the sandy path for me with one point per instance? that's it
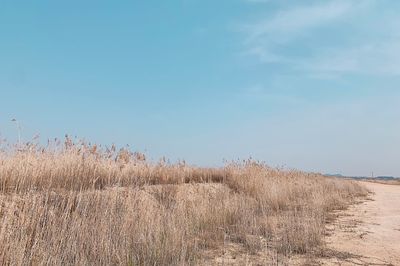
(367, 233)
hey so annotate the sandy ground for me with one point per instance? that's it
(367, 233)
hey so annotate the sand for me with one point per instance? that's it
(367, 233)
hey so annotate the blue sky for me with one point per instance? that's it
(311, 85)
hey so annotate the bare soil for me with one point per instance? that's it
(367, 233)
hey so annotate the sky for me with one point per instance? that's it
(311, 85)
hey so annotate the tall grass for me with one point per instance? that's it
(76, 203)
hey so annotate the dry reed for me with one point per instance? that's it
(76, 203)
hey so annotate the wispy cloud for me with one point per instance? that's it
(379, 58)
(289, 23)
(294, 37)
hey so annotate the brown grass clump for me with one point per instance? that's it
(75, 203)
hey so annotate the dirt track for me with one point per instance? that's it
(367, 233)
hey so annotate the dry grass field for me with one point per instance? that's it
(75, 203)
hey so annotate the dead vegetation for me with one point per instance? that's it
(76, 203)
